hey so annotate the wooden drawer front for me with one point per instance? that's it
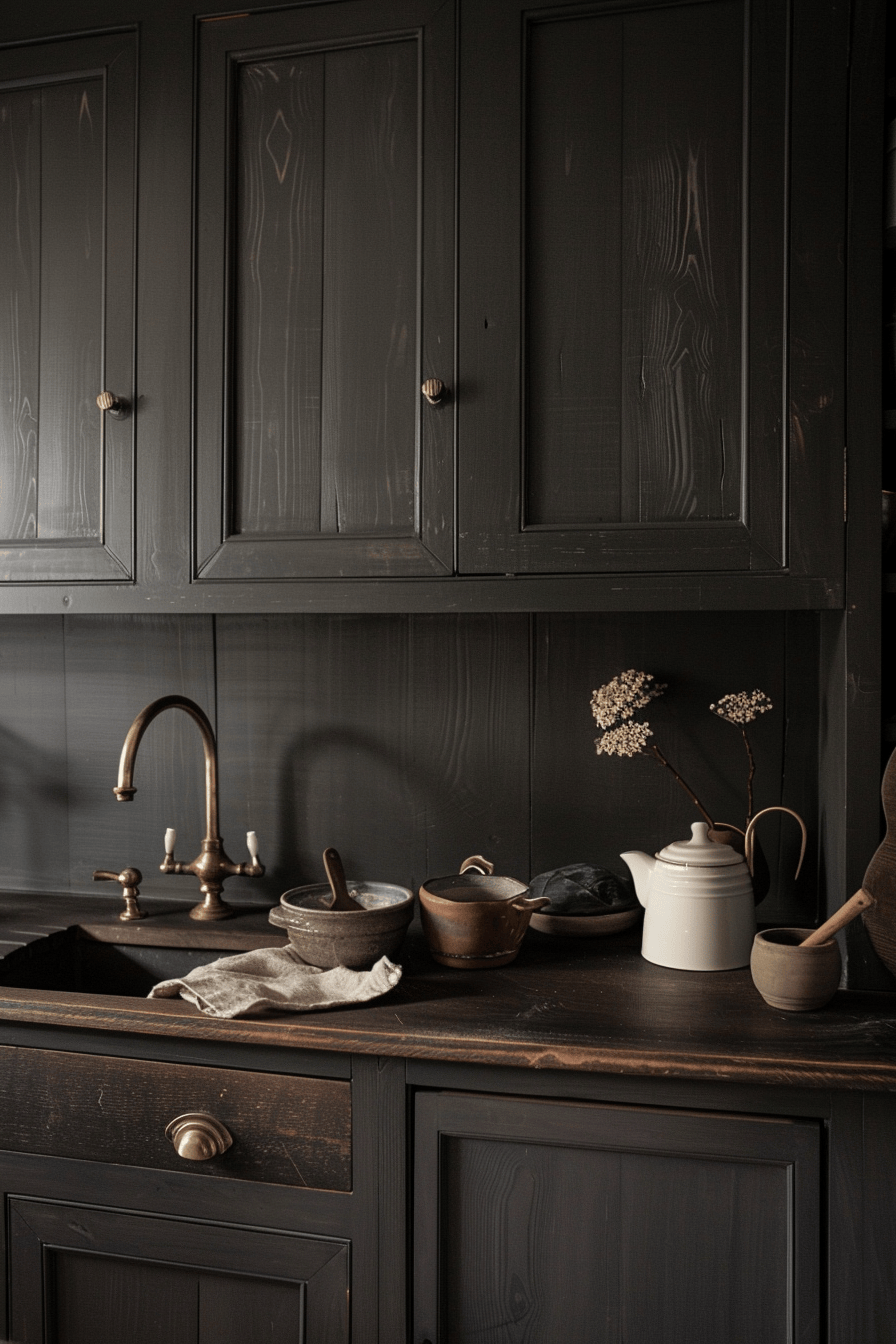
(289, 1131)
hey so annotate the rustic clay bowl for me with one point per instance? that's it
(795, 978)
(354, 938)
(473, 920)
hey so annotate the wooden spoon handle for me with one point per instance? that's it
(336, 878)
(854, 906)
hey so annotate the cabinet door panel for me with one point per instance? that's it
(66, 295)
(91, 1274)
(630, 223)
(544, 1220)
(326, 134)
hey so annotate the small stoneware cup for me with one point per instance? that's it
(792, 977)
(473, 920)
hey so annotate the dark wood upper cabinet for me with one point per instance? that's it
(647, 383)
(325, 292)
(67, 187)
(614, 231)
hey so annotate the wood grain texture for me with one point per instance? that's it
(272, 1281)
(685, 489)
(543, 1013)
(406, 745)
(71, 320)
(278, 261)
(340, 245)
(67, 286)
(33, 760)
(682, 168)
(573, 300)
(288, 1131)
(587, 808)
(540, 1220)
(369, 390)
(20, 132)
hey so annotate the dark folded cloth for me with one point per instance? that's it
(582, 889)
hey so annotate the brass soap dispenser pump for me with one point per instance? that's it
(211, 866)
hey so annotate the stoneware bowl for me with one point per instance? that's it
(474, 920)
(795, 978)
(355, 938)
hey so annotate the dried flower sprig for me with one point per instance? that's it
(620, 698)
(614, 705)
(741, 708)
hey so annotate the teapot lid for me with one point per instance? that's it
(700, 850)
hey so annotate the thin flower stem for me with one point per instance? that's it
(750, 774)
(687, 788)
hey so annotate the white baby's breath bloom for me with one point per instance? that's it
(620, 698)
(627, 740)
(740, 707)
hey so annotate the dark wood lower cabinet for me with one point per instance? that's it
(539, 1221)
(82, 1275)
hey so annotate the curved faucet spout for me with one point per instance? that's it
(212, 865)
(125, 790)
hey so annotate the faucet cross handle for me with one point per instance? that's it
(254, 868)
(169, 864)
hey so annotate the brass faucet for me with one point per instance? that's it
(212, 865)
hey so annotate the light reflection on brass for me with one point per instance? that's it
(129, 880)
(212, 865)
(198, 1136)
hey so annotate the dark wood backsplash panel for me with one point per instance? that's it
(589, 807)
(401, 740)
(34, 797)
(409, 742)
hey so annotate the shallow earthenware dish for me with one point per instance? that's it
(585, 926)
(354, 938)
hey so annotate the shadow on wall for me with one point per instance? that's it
(379, 794)
(34, 802)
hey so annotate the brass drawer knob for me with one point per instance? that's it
(434, 390)
(117, 407)
(197, 1136)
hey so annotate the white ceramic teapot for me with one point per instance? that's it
(699, 903)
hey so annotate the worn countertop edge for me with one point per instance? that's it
(167, 1018)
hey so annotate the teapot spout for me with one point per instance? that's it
(641, 867)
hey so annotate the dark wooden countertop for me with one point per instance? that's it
(584, 1004)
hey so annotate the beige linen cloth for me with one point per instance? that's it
(275, 977)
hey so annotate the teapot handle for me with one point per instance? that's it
(748, 842)
(477, 864)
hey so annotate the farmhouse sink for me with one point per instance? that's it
(111, 958)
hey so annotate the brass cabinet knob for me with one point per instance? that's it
(197, 1136)
(434, 390)
(117, 407)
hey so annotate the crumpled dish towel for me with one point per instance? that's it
(275, 977)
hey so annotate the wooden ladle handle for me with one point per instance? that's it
(839, 919)
(336, 878)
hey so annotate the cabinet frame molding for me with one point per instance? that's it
(220, 553)
(107, 556)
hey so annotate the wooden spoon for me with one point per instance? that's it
(336, 878)
(839, 919)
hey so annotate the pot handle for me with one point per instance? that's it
(275, 916)
(530, 903)
(748, 842)
(477, 864)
